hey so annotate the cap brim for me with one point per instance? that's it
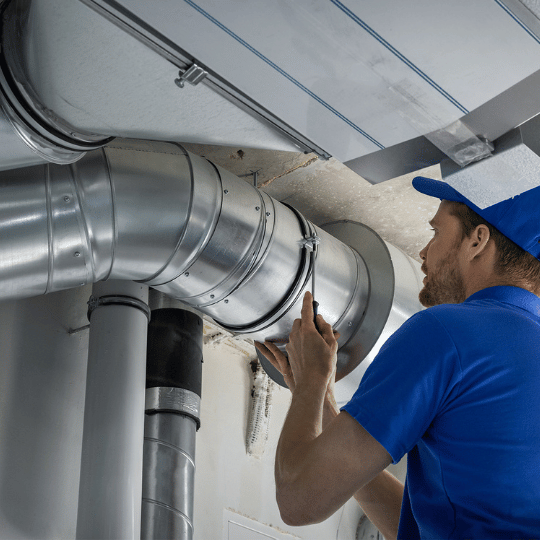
(436, 188)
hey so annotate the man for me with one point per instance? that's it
(457, 388)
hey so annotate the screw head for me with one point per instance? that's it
(67, 199)
(257, 208)
(186, 274)
(350, 323)
(225, 191)
(226, 301)
(212, 296)
(77, 254)
(267, 213)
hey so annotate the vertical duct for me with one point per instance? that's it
(173, 392)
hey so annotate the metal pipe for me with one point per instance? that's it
(154, 213)
(14, 152)
(112, 449)
(173, 380)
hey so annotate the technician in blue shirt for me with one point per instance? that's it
(457, 388)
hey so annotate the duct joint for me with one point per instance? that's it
(120, 300)
(311, 242)
(173, 400)
(38, 127)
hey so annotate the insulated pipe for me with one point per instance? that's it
(103, 79)
(112, 449)
(173, 381)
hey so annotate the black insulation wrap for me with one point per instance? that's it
(174, 351)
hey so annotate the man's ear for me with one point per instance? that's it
(478, 241)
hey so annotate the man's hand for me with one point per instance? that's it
(301, 334)
(312, 353)
(272, 353)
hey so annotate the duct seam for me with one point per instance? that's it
(262, 250)
(50, 235)
(171, 509)
(172, 446)
(239, 274)
(299, 283)
(185, 264)
(114, 222)
(183, 230)
(89, 261)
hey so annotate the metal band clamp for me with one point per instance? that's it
(173, 400)
(119, 300)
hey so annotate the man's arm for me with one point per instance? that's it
(381, 498)
(318, 471)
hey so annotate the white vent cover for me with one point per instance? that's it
(238, 527)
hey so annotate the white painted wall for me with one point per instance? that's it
(227, 479)
(41, 414)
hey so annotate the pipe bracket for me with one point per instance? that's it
(193, 75)
(119, 300)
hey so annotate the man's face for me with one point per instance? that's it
(444, 282)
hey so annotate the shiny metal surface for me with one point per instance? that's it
(395, 281)
(14, 151)
(195, 232)
(168, 477)
(112, 446)
(162, 398)
(37, 129)
(42, 391)
(63, 82)
(159, 300)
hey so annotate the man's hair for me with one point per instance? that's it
(513, 261)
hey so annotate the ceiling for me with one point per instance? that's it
(325, 191)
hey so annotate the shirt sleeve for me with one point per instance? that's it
(407, 385)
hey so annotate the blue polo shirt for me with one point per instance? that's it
(457, 388)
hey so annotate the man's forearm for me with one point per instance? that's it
(381, 502)
(302, 424)
(381, 498)
(330, 409)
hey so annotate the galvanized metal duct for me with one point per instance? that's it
(152, 212)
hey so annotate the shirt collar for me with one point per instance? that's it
(509, 295)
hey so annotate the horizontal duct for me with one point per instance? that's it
(154, 213)
(64, 97)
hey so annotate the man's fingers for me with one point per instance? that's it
(273, 355)
(307, 309)
(326, 331)
(295, 327)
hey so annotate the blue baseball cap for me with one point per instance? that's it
(518, 218)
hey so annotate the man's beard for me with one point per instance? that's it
(445, 284)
